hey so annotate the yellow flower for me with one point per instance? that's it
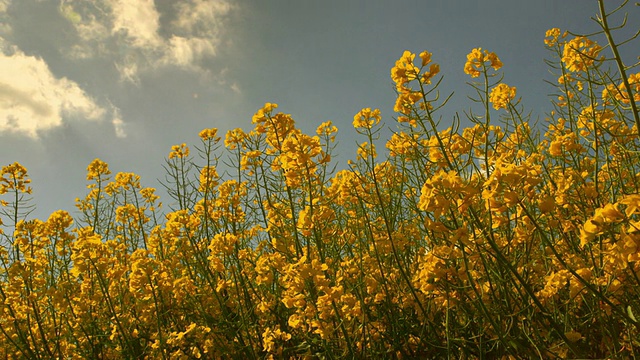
(305, 222)
(261, 114)
(17, 179)
(400, 143)
(209, 134)
(580, 53)
(295, 321)
(546, 204)
(405, 70)
(365, 150)
(554, 282)
(179, 151)
(234, 138)
(632, 202)
(597, 223)
(493, 60)
(501, 95)
(327, 129)
(406, 100)
(366, 118)
(476, 62)
(555, 148)
(127, 180)
(610, 213)
(208, 178)
(97, 169)
(149, 195)
(592, 227)
(426, 58)
(551, 36)
(434, 69)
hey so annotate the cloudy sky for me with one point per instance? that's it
(123, 80)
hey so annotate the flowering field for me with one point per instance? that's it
(499, 240)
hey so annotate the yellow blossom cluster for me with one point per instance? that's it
(404, 73)
(580, 53)
(501, 95)
(477, 62)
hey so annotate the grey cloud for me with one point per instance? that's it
(134, 35)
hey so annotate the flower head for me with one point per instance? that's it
(179, 151)
(405, 70)
(551, 36)
(501, 95)
(366, 118)
(580, 53)
(426, 58)
(234, 138)
(96, 169)
(476, 62)
(209, 134)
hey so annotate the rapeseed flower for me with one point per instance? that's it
(476, 60)
(580, 53)
(501, 96)
(366, 118)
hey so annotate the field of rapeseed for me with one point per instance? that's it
(499, 240)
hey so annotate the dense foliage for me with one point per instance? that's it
(496, 240)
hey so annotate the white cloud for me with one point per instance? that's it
(186, 52)
(132, 33)
(32, 99)
(139, 20)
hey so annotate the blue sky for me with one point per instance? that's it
(123, 80)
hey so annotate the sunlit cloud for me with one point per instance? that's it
(32, 99)
(138, 20)
(133, 35)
